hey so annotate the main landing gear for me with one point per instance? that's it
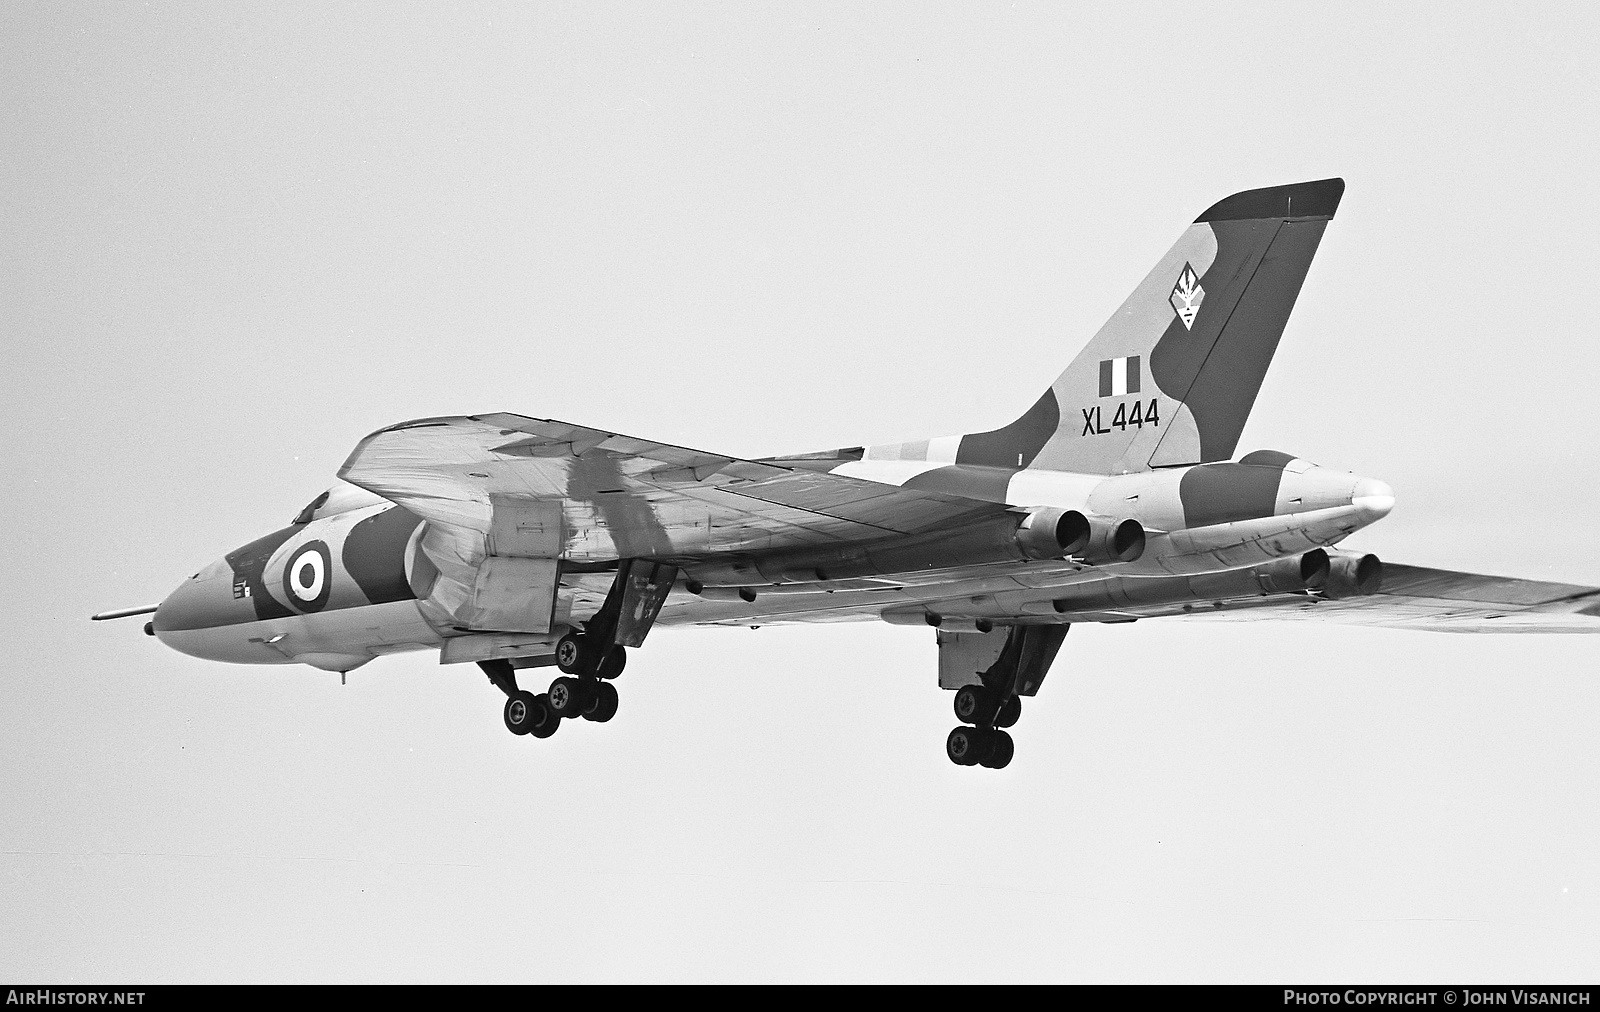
(589, 659)
(983, 743)
(580, 693)
(992, 704)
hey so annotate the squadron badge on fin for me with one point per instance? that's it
(1186, 296)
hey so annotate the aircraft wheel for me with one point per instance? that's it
(569, 697)
(1010, 713)
(605, 704)
(1002, 748)
(974, 704)
(612, 663)
(966, 746)
(521, 712)
(572, 654)
(545, 720)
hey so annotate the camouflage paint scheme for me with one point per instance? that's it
(1141, 426)
(363, 603)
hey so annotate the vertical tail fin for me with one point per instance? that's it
(1171, 377)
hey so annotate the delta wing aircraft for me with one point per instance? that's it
(518, 543)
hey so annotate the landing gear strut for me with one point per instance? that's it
(995, 702)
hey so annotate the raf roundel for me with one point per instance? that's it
(308, 577)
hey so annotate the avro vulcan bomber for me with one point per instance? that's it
(517, 543)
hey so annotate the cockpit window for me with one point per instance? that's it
(341, 498)
(305, 515)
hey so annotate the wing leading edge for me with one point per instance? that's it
(616, 496)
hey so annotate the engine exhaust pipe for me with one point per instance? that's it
(1050, 532)
(1332, 575)
(1352, 575)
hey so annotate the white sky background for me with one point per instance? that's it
(234, 241)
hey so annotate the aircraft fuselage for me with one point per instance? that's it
(336, 591)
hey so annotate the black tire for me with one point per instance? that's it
(545, 720)
(612, 663)
(967, 746)
(1010, 713)
(1001, 749)
(605, 704)
(569, 697)
(520, 713)
(572, 654)
(974, 705)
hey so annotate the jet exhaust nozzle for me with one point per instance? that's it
(1123, 542)
(1296, 574)
(1333, 575)
(1050, 532)
(1352, 575)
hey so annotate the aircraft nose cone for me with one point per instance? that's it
(204, 601)
(205, 618)
(1373, 498)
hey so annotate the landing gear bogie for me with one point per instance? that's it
(580, 693)
(589, 658)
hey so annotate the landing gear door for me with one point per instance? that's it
(515, 595)
(965, 656)
(1036, 651)
(644, 591)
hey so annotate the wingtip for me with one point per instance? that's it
(1318, 198)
